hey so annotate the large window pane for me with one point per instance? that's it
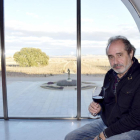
(51, 27)
(100, 21)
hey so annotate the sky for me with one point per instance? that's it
(51, 26)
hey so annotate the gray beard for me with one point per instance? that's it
(126, 69)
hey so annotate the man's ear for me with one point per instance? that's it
(131, 54)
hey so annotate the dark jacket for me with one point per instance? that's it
(121, 111)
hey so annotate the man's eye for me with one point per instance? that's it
(110, 57)
(119, 54)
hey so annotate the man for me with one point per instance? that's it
(120, 110)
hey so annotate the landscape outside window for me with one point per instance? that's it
(100, 21)
(41, 58)
(41, 63)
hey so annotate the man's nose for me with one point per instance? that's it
(115, 61)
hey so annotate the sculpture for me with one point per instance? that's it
(68, 74)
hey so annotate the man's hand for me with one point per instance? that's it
(94, 108)
(101, 136)
(95, 138)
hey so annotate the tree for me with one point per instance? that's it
(31, 57)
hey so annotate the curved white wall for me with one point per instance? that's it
(132, 10)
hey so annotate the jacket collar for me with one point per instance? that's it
(129, 73)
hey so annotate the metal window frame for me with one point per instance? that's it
(135, 7)
(78, 59)
(3, 67)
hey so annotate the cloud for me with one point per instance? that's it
(17, 33)
(32, 15)
(18, 36)
(44, 27)
(10, 52)
(94, 35)
(111, 16)
(87, 20)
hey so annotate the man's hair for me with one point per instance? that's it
(128, 46)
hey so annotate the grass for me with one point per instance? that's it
(60, 65)
(57, 65)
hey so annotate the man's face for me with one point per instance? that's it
(119, 59)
